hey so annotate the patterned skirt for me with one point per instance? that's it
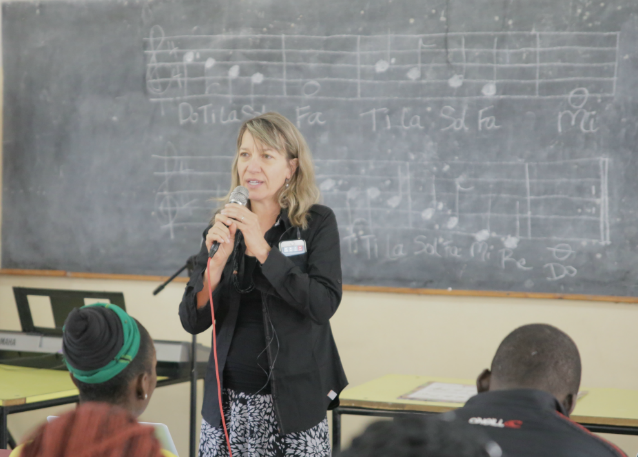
(252, 428)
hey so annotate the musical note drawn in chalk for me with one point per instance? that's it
(415, 72)
(256, 78)
(554, 200)
(456, 80)
(311, 88)
(233, 73)
(364, 67)
(383, 65)
(459, 188)
(477, 199)
(209, 78)
(189, 57)
(427, 214)
(489, 89)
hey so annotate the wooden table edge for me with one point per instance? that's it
(162, 381)
(598, 420)
(375, 405)
(13, 402)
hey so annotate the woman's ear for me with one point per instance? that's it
(142, 386)
(292, 166)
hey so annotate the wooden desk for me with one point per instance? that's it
(27, 389)
(600, 410)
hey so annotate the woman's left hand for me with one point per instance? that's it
(248, 223)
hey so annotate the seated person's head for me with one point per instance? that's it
(93, 429)
(111, 357)
(415, 436)
(536, 356)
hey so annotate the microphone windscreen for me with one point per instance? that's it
(239, 195)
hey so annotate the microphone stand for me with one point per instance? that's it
(190, 264)
(192, 449)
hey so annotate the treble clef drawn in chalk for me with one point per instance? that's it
(169, 202)
(471, 65)
(156, 83)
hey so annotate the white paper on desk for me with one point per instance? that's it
(444, 392)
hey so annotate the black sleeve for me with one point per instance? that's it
(315, 294)
(195, 320)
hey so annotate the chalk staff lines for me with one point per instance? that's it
(558, 200)
(517, 65)
(189, 187)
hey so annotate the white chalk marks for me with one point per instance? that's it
(565, 201)
(184, 196)
(436, 66)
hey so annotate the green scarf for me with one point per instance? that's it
(124, 356)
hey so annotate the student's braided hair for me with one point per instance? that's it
(92, 337)
(93, 430)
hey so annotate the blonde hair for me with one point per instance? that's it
(275, 131)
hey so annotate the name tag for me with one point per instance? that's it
(293, 247)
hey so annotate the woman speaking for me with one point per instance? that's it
(276, 282)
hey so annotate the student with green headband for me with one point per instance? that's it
(111, 358)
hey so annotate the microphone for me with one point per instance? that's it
(239, 196)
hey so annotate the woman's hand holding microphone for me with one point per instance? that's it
(222, 232)
(241, 218)
(232, 218)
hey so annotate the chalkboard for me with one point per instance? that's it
(479, 145)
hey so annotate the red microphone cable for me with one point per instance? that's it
(219, 385)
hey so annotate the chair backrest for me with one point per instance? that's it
(62, 303)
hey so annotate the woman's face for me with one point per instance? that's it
(263, 171)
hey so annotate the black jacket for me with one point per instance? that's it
(532, 423)
(299, 296)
